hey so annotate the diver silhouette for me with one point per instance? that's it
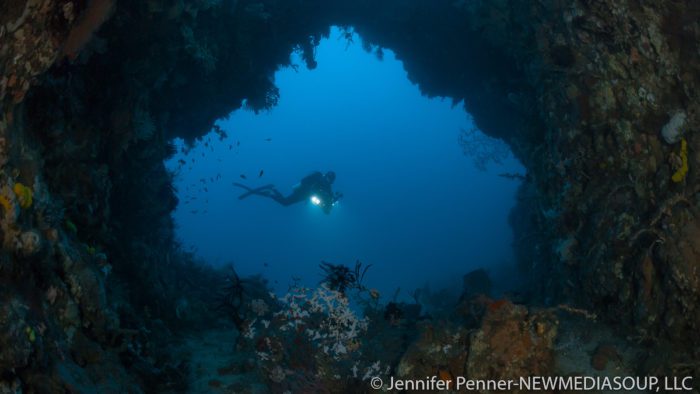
(315, 187)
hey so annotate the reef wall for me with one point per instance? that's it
(597, 99)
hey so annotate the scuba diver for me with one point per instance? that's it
(316, 187)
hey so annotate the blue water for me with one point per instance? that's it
(414, 205)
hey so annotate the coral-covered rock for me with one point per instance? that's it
(29, 243)
(439, 347)
(11, 387)
(511, 343)
(15, 341)
(603, 354)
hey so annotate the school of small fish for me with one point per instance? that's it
(201, 187)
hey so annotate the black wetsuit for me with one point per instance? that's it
(315, 184)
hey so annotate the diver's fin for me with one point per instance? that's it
(251, 191)
(242, 186)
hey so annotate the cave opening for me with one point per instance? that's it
(596, 100)
(425, 196)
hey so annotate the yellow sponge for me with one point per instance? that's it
(680, 174)
(24, 195)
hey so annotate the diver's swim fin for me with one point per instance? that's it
(251, 191)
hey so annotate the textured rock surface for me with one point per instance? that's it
(510, 342)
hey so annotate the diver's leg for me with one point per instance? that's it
(279, 197)
(268, 191)
(248, 188)
(261, 191)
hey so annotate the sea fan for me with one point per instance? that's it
(483, 149)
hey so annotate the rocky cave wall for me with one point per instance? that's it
(92, 92)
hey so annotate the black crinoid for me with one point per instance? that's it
(234, 295)
(340, 277)
(231, 298)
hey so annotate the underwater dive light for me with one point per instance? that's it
(315, 200)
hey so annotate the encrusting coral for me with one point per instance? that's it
(28, 243)
(672, 131)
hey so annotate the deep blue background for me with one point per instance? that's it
(414, 205)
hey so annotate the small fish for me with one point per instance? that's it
(206, 190)
(268, 139)
(238, 143)
(243, 176)
(230, 147)
(182, 162)
(266, 265)
(261, 173)
(194, 211)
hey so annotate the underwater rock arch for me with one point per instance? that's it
(580, 91)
